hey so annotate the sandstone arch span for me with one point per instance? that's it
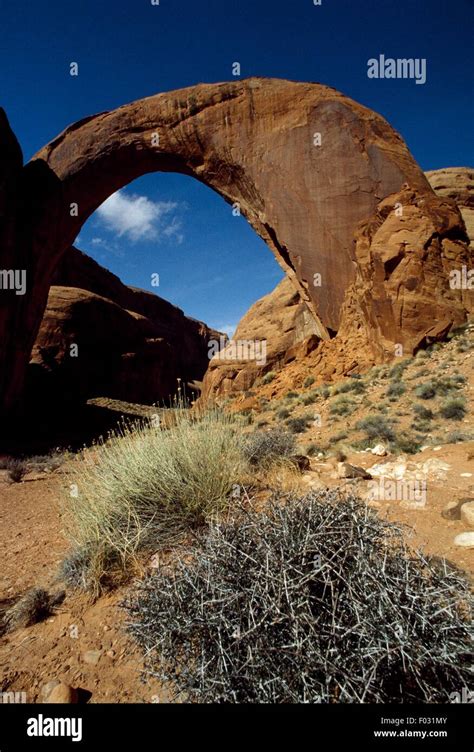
(254, 142)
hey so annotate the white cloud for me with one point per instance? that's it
(139, 218)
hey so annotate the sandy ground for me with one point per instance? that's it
(57, 649)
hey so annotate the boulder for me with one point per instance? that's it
(346, 470)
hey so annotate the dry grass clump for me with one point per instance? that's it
(32, 608)
(147, 485)
(313, 600)
(263, 448)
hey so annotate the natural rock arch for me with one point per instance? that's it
(306, 165)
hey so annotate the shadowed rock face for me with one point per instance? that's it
(256, 142)
(131, 345)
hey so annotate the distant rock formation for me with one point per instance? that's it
(101, 338)
(457, 183)
(283, 321)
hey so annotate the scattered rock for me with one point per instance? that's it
(346, 470)
(62, 694)
(379, 450)
(465, 540)
(467, 513)
(92, 657)
(452, 510)
(47, 688)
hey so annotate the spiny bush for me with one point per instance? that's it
(314, 600)
(265, 447)
(309, 381)
(269, 377)
(149, 485)
(453, 409)
(283, 414)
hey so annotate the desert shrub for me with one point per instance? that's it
(17, 469)
(396, 371)
(453, 409)
(338, 437)
(283, 414)
(313, 449)
(291, 395)
(323, 391)
(300, 424)
(463, 345)
(264, 447)
(149, 485)
(425, 391)
(395, 390)
(309, 381)
(406, 445)
(314, 600)
(33, 607)
(376, 428)
(342, 406)
(422, 355)
(422, 412)
(269, 377)
(457, 437)
(310, 398)
(352, 385)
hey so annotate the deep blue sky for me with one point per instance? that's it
(210, 263)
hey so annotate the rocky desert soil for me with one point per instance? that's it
(83, 644)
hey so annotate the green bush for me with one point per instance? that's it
(342, 406)
(422, 412)
(426, 391)
(395, 390)
(309, 381)
(283, 414)
(453, 409)
(299, 425)
(353, 385)
(376, 428)
(269, 377)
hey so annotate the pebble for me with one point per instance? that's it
(92, 657)
(467, 513)
(465, 540)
